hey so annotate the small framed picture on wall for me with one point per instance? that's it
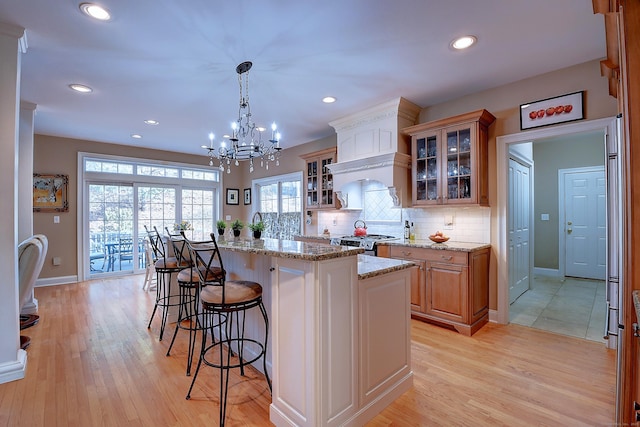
(247, 196)
(233, 196)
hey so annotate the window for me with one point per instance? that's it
(197, 208)
(120, 196)
(279, 201)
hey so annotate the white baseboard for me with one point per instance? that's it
(52, 281)
(14, 370)
(546, 272)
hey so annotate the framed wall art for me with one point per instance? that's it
(50, 193)
(233, 196)
(551, 111)
(247, 196)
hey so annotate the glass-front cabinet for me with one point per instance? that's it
(450, 160)
(318, 182)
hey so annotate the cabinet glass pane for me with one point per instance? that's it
(421, 191)
(464, 136)
(432, 189)
(432, 146)
(452, 188)
(421, 148)
(421, 170)
(432, 168)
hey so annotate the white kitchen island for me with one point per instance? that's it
(339, 343)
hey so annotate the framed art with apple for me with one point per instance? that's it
(551, 111)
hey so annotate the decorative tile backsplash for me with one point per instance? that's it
(469, 224)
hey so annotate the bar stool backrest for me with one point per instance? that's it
(206, 259)
(180, 249)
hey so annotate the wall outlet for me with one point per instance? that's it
(56, 260)
(56, 219)
(544, 217)
(227, 218)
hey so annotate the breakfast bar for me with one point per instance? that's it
(339, 338)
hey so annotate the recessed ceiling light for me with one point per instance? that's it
(329, 99)
(95, 11)
(464, 42)
(151, 122)
(136, 136)
(80, 88)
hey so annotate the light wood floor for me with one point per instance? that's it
(92, 362)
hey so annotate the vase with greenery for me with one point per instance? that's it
(257, 228)
(236, 226)
(221, 225)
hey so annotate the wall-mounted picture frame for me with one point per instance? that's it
(551, 111)
(233, 196)
(247, 196)
(50, 193)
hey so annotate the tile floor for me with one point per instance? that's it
(574, 307)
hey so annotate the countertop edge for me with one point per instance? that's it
(448, 246)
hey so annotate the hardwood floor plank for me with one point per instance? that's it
(93, 362)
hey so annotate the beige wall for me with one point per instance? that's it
(504, 102)
(549, 157)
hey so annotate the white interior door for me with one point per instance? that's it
(519, 226)
(585, 222)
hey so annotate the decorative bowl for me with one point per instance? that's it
(438, 239)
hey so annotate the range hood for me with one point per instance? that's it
(372, 147)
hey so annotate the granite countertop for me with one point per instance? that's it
(372, 266)
(317, 236)
(288, 248)
(428, 244)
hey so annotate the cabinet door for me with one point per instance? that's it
(312, 184)
(447, 287)
(426, 168)
(459, 164)
(418, 286)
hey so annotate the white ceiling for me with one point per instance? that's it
(174, 61)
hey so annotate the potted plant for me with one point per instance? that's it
(221, 225)
(257, 228)
(236, 226)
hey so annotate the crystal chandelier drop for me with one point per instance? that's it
(245, 142)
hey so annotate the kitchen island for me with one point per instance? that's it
(339, 336)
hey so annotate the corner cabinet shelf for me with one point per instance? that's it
(319, 180)
(450, 160)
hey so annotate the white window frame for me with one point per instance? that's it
(293, 176)
(83, 272)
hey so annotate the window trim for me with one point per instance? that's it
(133, 179)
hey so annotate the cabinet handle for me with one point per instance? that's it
(447, 258)
(406, 253)
(272, 269)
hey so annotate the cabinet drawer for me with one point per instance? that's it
(431, 255)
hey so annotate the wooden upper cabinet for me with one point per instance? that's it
(318, 180)
(450, 159)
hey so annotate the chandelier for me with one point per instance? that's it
(245, 141)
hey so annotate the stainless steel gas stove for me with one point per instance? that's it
(368, 242)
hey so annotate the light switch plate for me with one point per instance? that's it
(56, 219)
(227, 218)
(544, 217)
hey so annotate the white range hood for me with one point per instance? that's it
(372, 147)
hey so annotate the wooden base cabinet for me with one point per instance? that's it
(450, 288)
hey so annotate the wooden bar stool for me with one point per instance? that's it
(220, 297)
